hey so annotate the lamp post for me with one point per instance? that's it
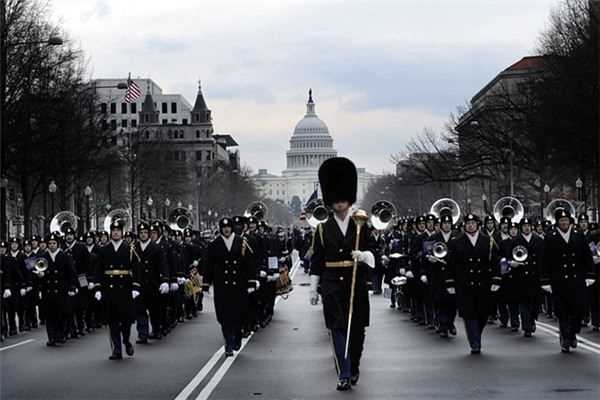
(469, 205)
(88, 194)
(546, 191)
(166, 208)
(149, 203)
(484, 200)
(579, 186)
(52, 188)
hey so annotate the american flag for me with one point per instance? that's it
(133, 91)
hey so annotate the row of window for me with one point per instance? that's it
(317, 144)
(133, 108)
(199, 155)
(126, 123)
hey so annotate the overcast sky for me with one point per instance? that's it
(381, 71)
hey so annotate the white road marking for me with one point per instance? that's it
(17, 344)
(216, 357)
(581, 345)
(579, 338)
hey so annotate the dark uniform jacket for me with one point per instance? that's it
(58, 279)
(439, 273)
(81, 261)
(521, 284)
(331, 246)
(119, 276)
(227, 272)
(153, 267)
(473, 270)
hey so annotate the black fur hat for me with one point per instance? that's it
(338, 179)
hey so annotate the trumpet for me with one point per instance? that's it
(520, 253)
(119, 214)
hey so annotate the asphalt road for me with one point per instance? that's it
(291, 359)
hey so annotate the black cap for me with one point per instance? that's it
(238, 220)
(252, 220)
(225, 221)
(583, 217)
(446, 218)
(116, 225)
(470, 217)
(488, 218)
(142, 226)
(35, 237)
(3, 244)
(561, 213)
(505, 220)
(338, 180)
(70, 231)
(420, 219)
(430, 218)
(88, 235)
(525, 221)
(53, 236)
(13, 240)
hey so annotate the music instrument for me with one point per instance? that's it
(257, 210)
(520, 253)
(509, 207)
(360, 218)
(555, 205)
(118, 214)
(382, 214)
(62, 221)
(446, 206)
(40, 264)
(193, 287)
(317, 212)
(439, 250)
(283, 285)
(179, 219)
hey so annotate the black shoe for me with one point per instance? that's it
(129, 349)
(343, 385)
(503, 325)
(116, 356)
(238, 344)
(527, 334)
(392, 306)
(12, 333)
(574, 343)
(595, 329)
(51, 344)
(444, 334)
(142, 341)
(354, 378)
(514, 329)
(475, 350)
(228, 353)
(453, 331)
(564, 345)
(156, 336)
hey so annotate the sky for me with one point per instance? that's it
(381, 71)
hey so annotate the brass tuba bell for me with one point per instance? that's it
(439, 250)
(180, 219)
(118, 214)
(62, 221)
(555, 205)
(382, 214)
(509, 207)
(257, 209)
(446, 206)
(40, 265)
(317, 212)
(520, 253)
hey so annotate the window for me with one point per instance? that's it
(104, 124)
(123, 123)
(183, 156)
(169, 156)
(133, 107)
(164, 108)
(197, 134)
(113, 124)
(103, 108)
(146, 118)
(164, 121)
(184, 121)
(170, 134)
(198, 155)
(113, 108)
(147, 135)
(173, 108)
(113, 140)
(181, 135)
(134, 123)
(123, 108)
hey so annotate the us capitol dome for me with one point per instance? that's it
(310, 145)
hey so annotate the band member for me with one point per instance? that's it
(192, 256)
(508, 304)
(10, 283)
(79, 303)
(474, 274)
(444, 302)
(227, 272)
(58, 283)
(568, 269)
(119, 286)
(592, 310)
(156, 234)
(257, 258)
(523, 276)
(15, 257)
(332, 266)
(154, 278)
(30, 300)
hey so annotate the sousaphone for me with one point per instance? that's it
(179, 219)
(509, 207)
(382, 214)
(257, 209)
(556, 205)
(446, 206)
(118, 214)
(63, 221)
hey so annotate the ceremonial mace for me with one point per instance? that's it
(360, 217)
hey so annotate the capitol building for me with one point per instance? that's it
(310, 145)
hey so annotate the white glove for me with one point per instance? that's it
(29, 289)
(365, 257)
(263, 274)
(22, 292)
(174, 287)
(451, 290)
(251, 290)
(424, 279)
(7, 293)
(547, 288)
(135, 293)
(399, 280)
(402, 271)
(40, 274)
(432, 259)
(495, 288)
(163, 288)
(71, 293)
(589, 282)
(271, 278)
(195, 263)
(90, 285)
(596, 259)
(314, 284)
(385, 260)
(180, 281)
(409, 274)
(256, 284)
(276, 276)
(514, 264)
(98, 296)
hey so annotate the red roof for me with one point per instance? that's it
(532, 62)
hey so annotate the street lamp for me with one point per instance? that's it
(166, 208)
(546, 191)
(149, 202)
(88, 194)
(469, 205)
(52, 188)
(484, 199)
(579, 185)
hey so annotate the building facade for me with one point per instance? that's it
(311, 144)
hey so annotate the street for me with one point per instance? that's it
(291, 359)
